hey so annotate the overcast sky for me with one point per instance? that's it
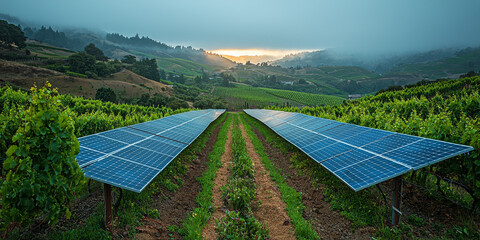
(353, 25)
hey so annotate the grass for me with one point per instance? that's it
(243, 96)
(197, 219)
(290, 196)
(240, 95)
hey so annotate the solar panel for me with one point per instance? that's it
(131, 157)
(359, 156)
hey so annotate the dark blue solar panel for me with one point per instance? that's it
(344, 131)
(391, 142)
(318, 124)
(367, 137)
(370, 172)
(121, 173)
(144, 156)
(426, 152)
(130, 157)
(346, 159)
(100, 143)
(360, 156)
(330, 151)
(307, 141)
(125, 136)
(86, 155)
(318, 145)
(327, 127)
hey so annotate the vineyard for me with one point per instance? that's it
(239, 179)
(242, 96)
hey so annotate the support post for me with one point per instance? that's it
(107, 191)
(396, 200)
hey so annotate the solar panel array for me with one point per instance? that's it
(359, 156)
(131, 157)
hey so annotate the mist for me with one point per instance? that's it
(369, 28)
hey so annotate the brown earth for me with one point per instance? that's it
(272, 210)
(125, 83)
(221, 180)
(327, 223)
(174, 206)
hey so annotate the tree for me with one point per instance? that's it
(129, 59)
(302, 81)
(81, 62)
(147, 68)
(96, 52)
(11, 34)
(163, 75)
(181, 79)
(106, 95)
(42, 173)
(198, 80)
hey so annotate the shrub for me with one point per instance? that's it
(42, 173)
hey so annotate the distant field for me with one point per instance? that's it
(308, 99)
(178, 65)
(43, 50)
(241, 95)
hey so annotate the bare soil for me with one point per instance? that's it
(223, 174)
(327, 223)
(272, 210)
(174, 206)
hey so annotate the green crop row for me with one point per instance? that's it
(198, 217)
(293, 199)
(239, 194)
(242, 96)
(308, 99)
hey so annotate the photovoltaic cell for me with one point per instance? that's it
(370, 172)
(131, 157)
(359, 156)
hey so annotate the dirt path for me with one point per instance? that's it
(272, 209)
(327, 223)
(221, 179)
(174, 206)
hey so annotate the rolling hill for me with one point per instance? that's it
(125, 83)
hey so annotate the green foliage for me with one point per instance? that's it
(81, 62)
(74, 74)
(42, 173)
(209, 102)
(11, 34)
(96, 52)
(238, 226)
(238, 193)
(130, 59)
(147, 68)
(106, 95)
(415, 220)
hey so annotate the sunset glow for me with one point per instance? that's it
(256, 52)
